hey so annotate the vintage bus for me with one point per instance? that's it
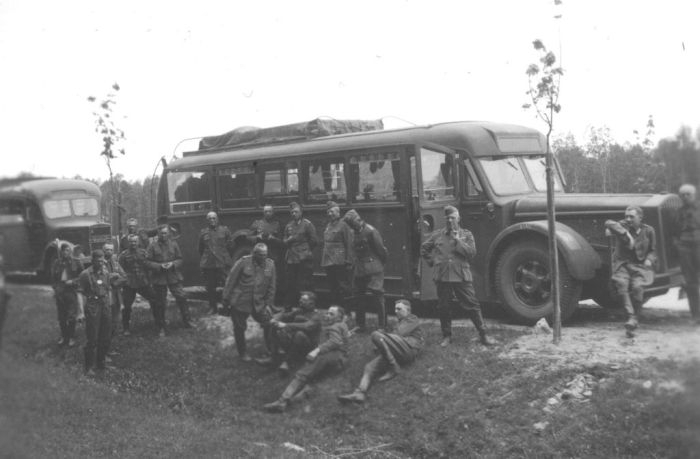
(38, 215)
(399, 181)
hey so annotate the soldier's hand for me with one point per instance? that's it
(647, 263)
(312, 355)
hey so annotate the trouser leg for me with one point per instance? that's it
(300, 346)
(181, 302)
(306, 276)
(211, 281)
(373, 368)
(61, 310)
(160, 299)
(690, 266)
(379, 341)
(4, 300)
(444, 291)
(91, 329)
(114, 319)
(129, 295)
(292, 275)
(104, 333)
(380, 306)
(240, 323)
(292, 388)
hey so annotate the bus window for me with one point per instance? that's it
(471, 185)
(57, 208)
(11, 207)
(83, 207)
(280, 184)
(236, 186)
(505, 175)
(437, 174)
(326, 181)
(536, 166)
(189, 191)
(375, 177)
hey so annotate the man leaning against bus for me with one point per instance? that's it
(165, 260)
(449, 251)
(64, 280)
(687, 240)
(336, 259)
(215, 245)
(300, 240)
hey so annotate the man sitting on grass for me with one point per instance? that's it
(295, 333)
(395, 349)
(331, 354)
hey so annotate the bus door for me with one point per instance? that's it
(479, 215)
(436, 189)
(13, 227)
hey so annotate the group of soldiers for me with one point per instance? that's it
(274, 284)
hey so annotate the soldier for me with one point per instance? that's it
(331, 354)
(295, 332)
(300, 240)
(687, 241)
(135, 264)
(95, 284)
(165, 260)
(132, 228)
(450, 250)
(633, 262)
(113, 267)
(370, 256)
(268, 230)
(64, 280)
(250, 290)
(337, 254)
(395, 349)
(215, 245)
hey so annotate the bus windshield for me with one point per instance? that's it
(536, 167)
(78, 207)
(505, 175)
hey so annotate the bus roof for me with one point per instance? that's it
(45, 188)
(479, 137)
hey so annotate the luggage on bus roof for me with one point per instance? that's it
(249, 135)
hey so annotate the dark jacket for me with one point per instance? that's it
(136, 267)
(164, 252)
(334, 337)
(72, 266)
(688, 224)
(300, 239)
(95, 286)
(215, 245)
(450, 255)
(409, 328)
(337, 244)
(250, 286)
(369, 251)
(309, 322)
(642, 247)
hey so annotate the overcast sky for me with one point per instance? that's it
(190, 69)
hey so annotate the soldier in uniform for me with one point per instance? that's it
(250, 290)
(215, 245)
(300, 240)
(295, 332)
(135, 264)
(633, 262)
(95, 284)
(398, 348)
(113, 267)
(331, 354)
(450, 250)
(64, 280)
(165, 260)
(687, 241)
(268, 230)
(370, 256)
(336, 259)
(132, 227)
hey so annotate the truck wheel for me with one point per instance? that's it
(523, 282)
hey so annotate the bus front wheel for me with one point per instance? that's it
(524, 284)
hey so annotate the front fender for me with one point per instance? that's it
(580, 257)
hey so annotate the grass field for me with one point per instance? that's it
(187, 395)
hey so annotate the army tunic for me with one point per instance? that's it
(337, 259)
(215, 245)
(135, 265)
(300, 240)
(96, 287)
(167, 279)
(687, 240)
(64, 280)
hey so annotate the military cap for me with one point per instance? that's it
(450, 210)
(132, 222)
(97, 253)
(108, 246)
(351, 215)
(331, 204)
(260, 247)
(294, 205)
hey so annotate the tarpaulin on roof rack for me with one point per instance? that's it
(248, 135)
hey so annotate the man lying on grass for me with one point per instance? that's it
(331, 354)
(400, 347)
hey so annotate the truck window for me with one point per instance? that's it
(536, 167)
(236, 186)
(280, 184)
(505, 175)
(326, 181)
(375, 177)
(189, 191)
(437, 174)
(470, 182)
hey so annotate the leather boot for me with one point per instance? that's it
(478, 321)
(394, 367)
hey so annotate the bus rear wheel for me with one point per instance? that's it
(524, 284)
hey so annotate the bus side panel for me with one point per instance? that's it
(15, 248)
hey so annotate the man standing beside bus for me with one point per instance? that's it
(687, 240)
(337, 254)
(165, 260)
(95, 284)
(370, 256)
(449, 251)
(117, 279)
(64, 280)
(135, 264)
(250, 290)
(215, 245)
(132, 228)
(268, 230)
(300, 240)
(633, 262)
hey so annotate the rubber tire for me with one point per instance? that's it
(533, 254)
